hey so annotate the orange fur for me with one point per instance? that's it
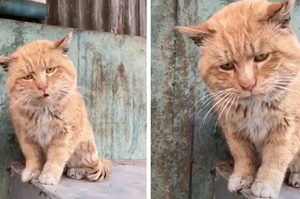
(49, 114)
(250, 61)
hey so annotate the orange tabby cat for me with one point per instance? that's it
(49, 115)
(250, 61)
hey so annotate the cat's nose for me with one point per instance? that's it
(248, 86)
(42, 87)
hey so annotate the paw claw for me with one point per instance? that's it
(263, 190)
(29, 174)
(237, 183)
(48, 179)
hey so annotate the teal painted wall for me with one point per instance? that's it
(111, 77)
(183, 152)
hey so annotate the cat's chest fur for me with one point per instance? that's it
(42, 127)
(255, 122)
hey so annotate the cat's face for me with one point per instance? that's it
(249, 50)
(40, 73)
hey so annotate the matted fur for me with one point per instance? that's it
(49, 114)
(258, 102)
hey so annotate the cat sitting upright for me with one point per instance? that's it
(250, 62)
(49, 114)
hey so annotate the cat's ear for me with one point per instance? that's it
(280, 13)
(64, 43)
(197, 33)
(5, 62)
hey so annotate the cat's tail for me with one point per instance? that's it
(98, 171)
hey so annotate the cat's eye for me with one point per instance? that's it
(50, 70)
(261, 57)
(227, 66)
(28, 77)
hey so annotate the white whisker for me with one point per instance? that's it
(233, 101)
(205, 117)
(207, 95)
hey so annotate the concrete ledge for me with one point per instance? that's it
(126, 181)
(223, 170)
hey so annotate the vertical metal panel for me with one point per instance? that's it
(112, 78)
(182, 152)
(143, 18)
(62, 12)
(170, 126)
(186, 83)
(162, 143)
(116, 16)
(132, 23)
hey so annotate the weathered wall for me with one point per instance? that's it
(183, 151)
(112, 78)
(171, 127)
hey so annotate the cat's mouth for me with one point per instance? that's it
(44, 96)
(251, 95)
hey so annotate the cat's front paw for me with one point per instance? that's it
(294, 180)
(264, 190)
(46, 178)
(237, 183)
(30, 174)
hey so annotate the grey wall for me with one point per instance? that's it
(111, 77)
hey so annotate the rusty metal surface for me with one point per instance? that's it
(171, 127)
(183, 152)
(126, 181)
(116, 16)
(111, 77)
(208, 143)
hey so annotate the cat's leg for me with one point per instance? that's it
(33, 157)
(278, 152)
(294, 168)
(59, 152)
(243, 152)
